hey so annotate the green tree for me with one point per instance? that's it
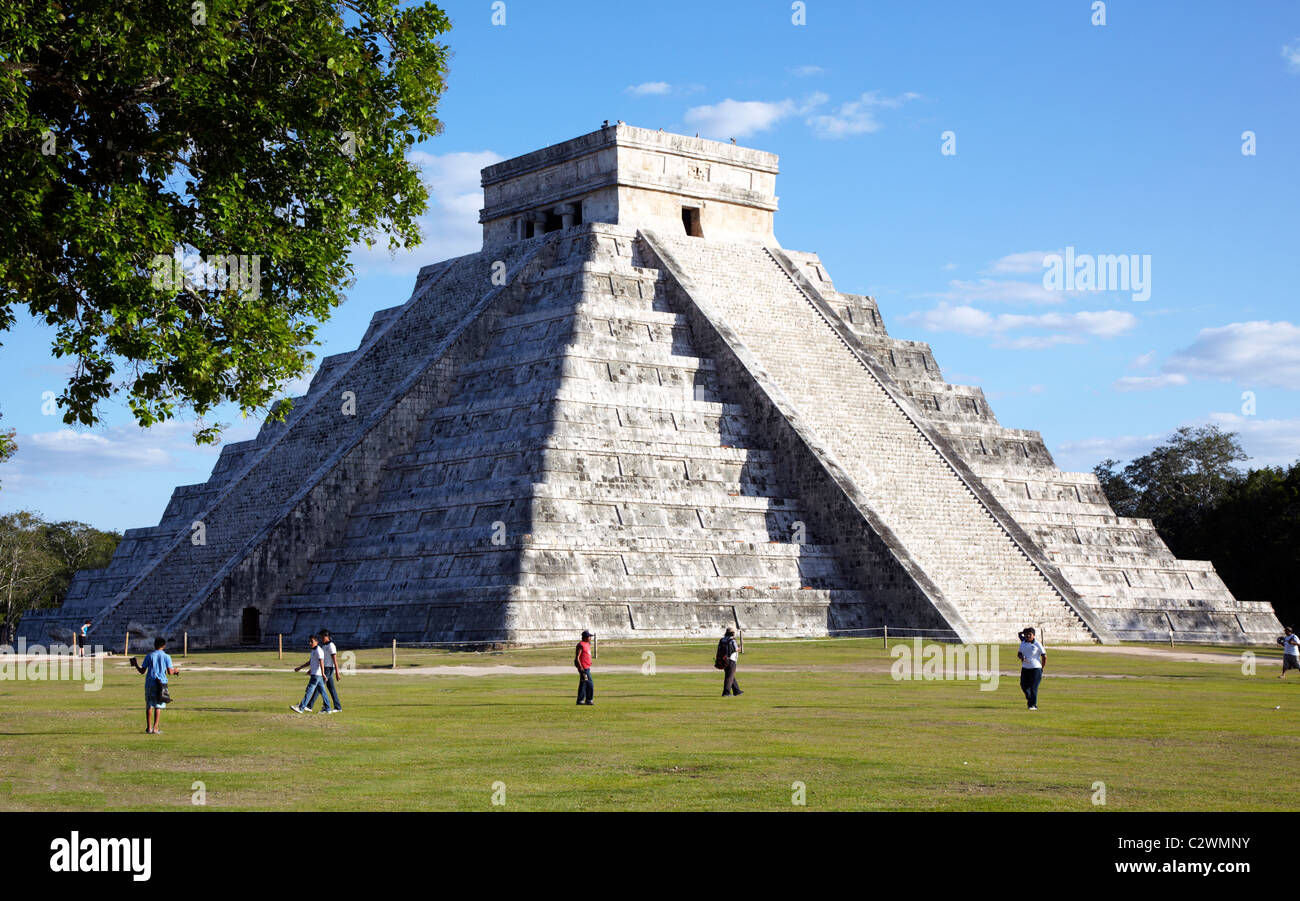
(1253, 537)
(26, 566)
(1179, 482)
(1205, 508)
(1123, 497)
(271, 130)
(7, 444)
(75, 546)
(38, 560)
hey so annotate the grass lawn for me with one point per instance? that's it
(1161, 733)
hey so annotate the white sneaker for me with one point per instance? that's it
(1033, 708)
(295, 708)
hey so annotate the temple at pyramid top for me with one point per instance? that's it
(633, 177)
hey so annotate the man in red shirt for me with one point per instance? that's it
(582, 662)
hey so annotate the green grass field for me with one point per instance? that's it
(1160, 732)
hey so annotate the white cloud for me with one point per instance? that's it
(1001, 291)
(739, 118)
(1006, 290)
(857, 116)
(1062, 328)
(1252, 353)
(1291, 53)
(1143, 361)
(807, 71)
(1022, 263)
(1268, 442)
(450, 225)
(1082, 455)
(649, 88)
(115, 449)
(1149, 382)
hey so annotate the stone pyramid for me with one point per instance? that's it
(635, 412)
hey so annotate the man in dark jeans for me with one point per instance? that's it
(582, 661)
(730, 654)
(1032, 660)
(331, 666)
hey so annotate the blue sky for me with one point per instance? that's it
(1122, 138)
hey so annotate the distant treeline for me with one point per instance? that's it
(1206, 508)
(37, 560)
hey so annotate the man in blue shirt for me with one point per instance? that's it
(156, 668)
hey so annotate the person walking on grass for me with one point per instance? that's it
(84, 632)
(315, 679)
(1290, 643)
(156, 668)
(728, 656)
(332, 670)
(1032, 659)
(582, 662)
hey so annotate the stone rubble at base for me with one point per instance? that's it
(659, 423)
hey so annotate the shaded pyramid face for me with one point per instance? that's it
(634, 412)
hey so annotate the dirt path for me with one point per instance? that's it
(875, 666)
(1225, 657)
(559, 670)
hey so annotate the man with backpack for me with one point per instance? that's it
(582, 662)
(156, 668)
(726, 659)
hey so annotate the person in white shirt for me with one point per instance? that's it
(332, 671)
(1290, 643)
(1032, 658)
(316, 679)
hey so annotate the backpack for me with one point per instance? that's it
(721, 657)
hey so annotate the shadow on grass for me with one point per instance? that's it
(101, 732)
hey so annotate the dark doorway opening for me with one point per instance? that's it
(691, 221)
(553, 223)
(250, 631)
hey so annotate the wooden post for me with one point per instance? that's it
(394, 653)
(185, 652)
(281, 652)
(74, 644)
(884, 641)
(126, 645)
(593, 645)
